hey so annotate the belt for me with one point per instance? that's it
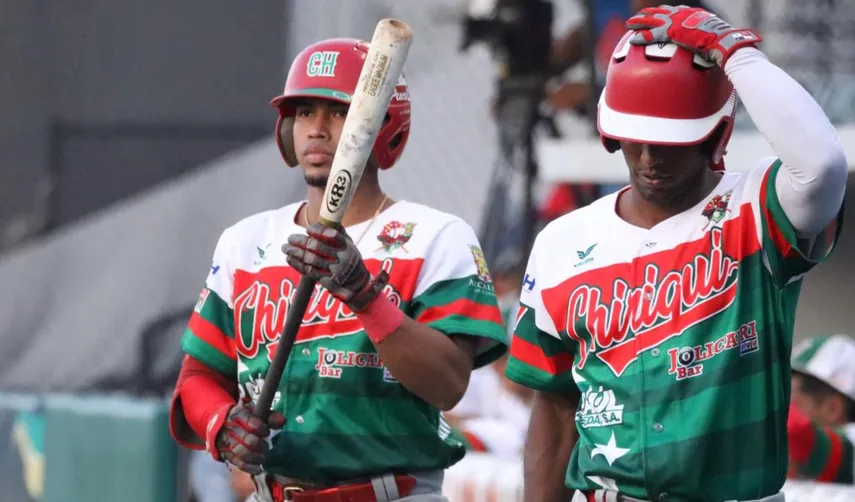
(374, 490)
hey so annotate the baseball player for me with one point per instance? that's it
(660, 317)
(404, 310)
(821, 425)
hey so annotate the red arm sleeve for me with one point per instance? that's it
(202, 395)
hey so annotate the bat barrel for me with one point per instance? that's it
(380, 73)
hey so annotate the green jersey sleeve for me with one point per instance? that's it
(538, 359)
(454, 293)
(788, 256)
(210, 335)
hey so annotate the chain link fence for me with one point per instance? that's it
(812, 41)
(454, 143)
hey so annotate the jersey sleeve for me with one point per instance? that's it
(788, 257)
(454, 293)
(210, 336)
(538, 359)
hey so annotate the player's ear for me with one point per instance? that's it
(833, 409)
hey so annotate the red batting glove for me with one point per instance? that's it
(695, 29)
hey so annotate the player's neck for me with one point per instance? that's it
(363, 205)
(637, 211)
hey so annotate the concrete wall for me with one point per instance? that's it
(94, 65)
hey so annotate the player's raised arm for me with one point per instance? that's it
(811, 184)
(812, 181)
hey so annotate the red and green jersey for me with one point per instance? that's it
(678, 338)
(347, 416)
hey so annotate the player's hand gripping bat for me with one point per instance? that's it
(383, 65)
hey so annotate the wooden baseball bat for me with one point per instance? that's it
(383, 65)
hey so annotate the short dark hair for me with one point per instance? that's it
(817, 389)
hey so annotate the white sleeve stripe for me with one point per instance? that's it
(450, 256)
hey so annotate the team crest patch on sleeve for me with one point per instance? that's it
(481, 264)
(200, 303)
(395, 235)
(716, 208)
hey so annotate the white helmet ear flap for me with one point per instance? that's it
(285, 139)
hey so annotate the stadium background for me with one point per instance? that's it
(135, 132)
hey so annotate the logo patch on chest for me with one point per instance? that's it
(599, 408)
(688, 362)
(260, 313)
(395, 235)
(716, 209)
(618, 321)
(332, 362)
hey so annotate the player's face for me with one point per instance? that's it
(827, 411)
(802, 400)
(317, 129)
(663, 174)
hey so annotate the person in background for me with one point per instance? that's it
(209, 479)
(821, 424)
(493, 414)
(242, 485)
(508, 271)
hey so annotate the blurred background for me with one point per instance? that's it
(135, 132)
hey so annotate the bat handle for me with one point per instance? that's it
(293, 320)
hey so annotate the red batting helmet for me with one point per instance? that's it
(330, 70)
(665, 95)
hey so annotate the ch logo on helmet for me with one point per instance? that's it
(322, 64)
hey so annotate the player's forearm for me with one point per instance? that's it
(812, 182)
(428, 363)
(549, 442)
(203, 393)
(425, 361)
